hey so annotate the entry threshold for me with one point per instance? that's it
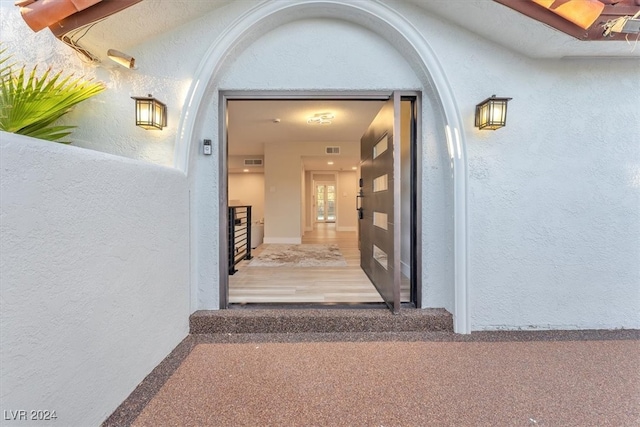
(318, 319)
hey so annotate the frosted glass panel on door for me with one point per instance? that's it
(380, 220)
(380, 147)
(380, 256)
(381, 183)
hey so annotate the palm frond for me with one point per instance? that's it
(5, 68)
(31, 104)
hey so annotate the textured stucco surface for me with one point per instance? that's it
(96, 256)
(166, 79)
(93, 276)
(359, 59)
(545, 211)
(554, 198)
(556, 214)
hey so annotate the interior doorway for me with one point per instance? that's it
(325, 202)
(327, 211)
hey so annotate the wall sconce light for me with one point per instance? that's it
(150, 113)
(123, 59)
(492, 113)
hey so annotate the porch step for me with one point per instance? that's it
(305, 320)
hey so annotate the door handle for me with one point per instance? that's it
(359, 197)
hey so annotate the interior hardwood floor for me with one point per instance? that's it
(309, 284)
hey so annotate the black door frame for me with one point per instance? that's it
(416, 173)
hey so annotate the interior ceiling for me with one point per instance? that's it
(253, 123)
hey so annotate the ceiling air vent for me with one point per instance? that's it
(332, 150)
(253, 162)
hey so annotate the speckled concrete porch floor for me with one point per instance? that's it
(563, 378)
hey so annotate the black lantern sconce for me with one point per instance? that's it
(492, 113)
(150, 113)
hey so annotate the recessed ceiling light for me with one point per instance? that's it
(321, 119)
(245, 170)
(355, 168)
(276, 120)
(329, 163)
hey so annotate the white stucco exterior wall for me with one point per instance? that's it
(158, 72)
(554, 197)
(280, 59)
(556, 202)
(515, 279)
(96, 258)
(554, 240)
(94, 267)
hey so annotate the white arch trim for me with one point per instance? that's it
(208, 73)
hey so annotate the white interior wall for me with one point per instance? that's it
(94, 267)
(285, 188)
(282, 199)
(249, 189)
(236, 163)
(347, 219)
(325, 176)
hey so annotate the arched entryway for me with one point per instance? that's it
(200, 120)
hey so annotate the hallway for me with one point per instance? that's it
(347, 284)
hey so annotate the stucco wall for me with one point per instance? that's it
(554, 198)
(93, 276)
(359, 60)
(554, 238)
(164, 68)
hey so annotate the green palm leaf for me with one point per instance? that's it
(5, 68)
(30, 105)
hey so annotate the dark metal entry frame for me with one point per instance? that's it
(416, 155)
